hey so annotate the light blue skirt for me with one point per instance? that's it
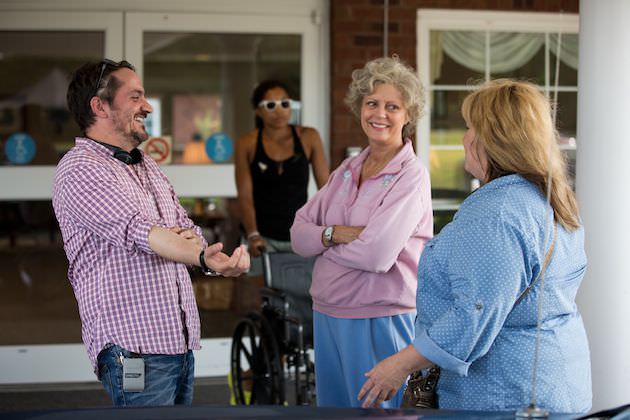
(345, 349)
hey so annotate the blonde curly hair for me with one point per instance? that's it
(396, 73)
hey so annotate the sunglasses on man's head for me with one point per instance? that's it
(104, 63)
(271, 105)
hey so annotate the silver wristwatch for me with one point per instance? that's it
(327, 236)
(207, 271)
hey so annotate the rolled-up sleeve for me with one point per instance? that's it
(427, 347)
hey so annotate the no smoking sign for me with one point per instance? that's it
(160, 149)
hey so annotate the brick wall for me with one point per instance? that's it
(357, 36)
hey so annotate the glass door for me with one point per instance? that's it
(39, 319)
(199, 71)
(204, 62)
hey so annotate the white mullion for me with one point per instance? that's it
(566, 88)
(488, 61)
(447, 147)
(451, 88)
(547, 74)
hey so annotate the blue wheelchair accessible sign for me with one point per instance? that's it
(20, 148)
(219, 147)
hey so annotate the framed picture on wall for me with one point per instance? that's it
(195, 117)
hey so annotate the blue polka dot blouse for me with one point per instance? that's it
(470, 277)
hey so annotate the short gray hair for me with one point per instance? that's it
(396, 73)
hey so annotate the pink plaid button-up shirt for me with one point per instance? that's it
(127, 295)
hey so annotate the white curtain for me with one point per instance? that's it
(568, 48)
(509, 51)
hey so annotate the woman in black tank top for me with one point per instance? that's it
(272, 170)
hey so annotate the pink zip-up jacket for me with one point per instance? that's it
(376, 274)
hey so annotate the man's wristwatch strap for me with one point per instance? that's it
(204, 267)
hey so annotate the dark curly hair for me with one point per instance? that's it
(83, 87)
(259, 93)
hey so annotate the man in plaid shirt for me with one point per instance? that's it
(128, 242)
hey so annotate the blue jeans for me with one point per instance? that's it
(168, 378)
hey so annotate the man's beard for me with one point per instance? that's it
(136, 136)
(139, 136)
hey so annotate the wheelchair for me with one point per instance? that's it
(272, 347)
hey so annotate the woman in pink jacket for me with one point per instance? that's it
(368, 226)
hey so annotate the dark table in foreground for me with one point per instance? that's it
(255, 412)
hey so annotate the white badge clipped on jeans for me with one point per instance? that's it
(133, 374)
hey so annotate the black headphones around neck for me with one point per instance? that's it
(128, 158)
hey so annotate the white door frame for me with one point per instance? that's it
(217, 178)
(310, 18)
(36, 181)
(54, 363)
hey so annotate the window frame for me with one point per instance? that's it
(473, 20)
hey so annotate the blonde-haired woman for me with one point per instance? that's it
(479, 279)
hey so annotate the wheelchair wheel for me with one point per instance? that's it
(255, 363)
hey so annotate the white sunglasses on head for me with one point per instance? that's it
(271, 105)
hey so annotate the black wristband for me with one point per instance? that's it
(204, 267)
